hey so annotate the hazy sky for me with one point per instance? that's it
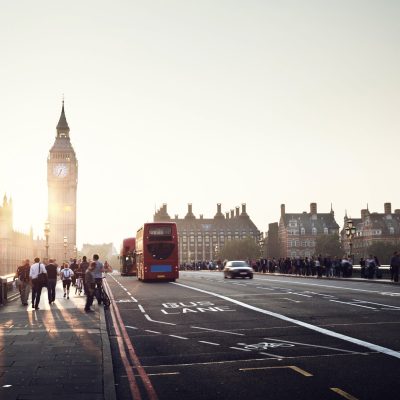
(204, 102)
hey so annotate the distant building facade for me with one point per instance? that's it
(298, 232)
(15, 246)
(105, 251)
(372, 228)
(271, 241)
(203, 238)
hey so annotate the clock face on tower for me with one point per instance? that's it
(60, 170)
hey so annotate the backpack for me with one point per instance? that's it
(67, 276)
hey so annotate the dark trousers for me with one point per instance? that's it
(89, 296)
(395, 273)
(51, 289)
(99, 288)
(36, 292)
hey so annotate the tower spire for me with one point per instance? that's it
(62, 126)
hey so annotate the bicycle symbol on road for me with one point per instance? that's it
(265, 345)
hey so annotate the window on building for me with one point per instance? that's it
(326, 231)
(391, 230)
(314, 231)
(302, 231)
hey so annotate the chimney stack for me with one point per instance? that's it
(244, 213)
(219, 208)
(397, 211)
(388, 208)
(283, 210)
(227, 215)
(237, 211)
(313, 208)
(232, 213)
(364, 213)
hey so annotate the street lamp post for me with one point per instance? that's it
(47, 234)
(65, 248)
(350, 231)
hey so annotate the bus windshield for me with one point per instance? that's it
(160, 251)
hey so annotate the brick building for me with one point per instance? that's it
(202, 238)
(298, 232)
(372, 228)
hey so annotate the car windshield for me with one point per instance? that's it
(239, 264)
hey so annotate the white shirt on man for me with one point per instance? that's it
(36, 269)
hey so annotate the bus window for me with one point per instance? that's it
(160, 251)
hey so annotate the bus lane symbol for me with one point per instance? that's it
(193, 307)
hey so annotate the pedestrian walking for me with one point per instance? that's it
(395, 266)
(36, 269)
(84, 266)
(22, 277)
(98, 276)
(51, 269)
(66, 277)
(90, 283)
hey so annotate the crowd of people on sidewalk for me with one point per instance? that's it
(309, 266)
(45, 274)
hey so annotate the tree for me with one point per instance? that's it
(328, 245)
(383, 250)
(240, 250)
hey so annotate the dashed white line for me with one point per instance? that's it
(216, 330)
(353, 304)
(141, 309)
(148, 330)
(179, 337)
(131, 327)
(214, 344)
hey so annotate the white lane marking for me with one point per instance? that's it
(294, 301)
(131, 327)
(272, 355)
(376, 304)
(298, 294)
(329, 286)
(313, 345)
(324, 331)
(239, 348)
(265, 288)
(141, 309)
(216, 330)
(179, 337)
(148, 330)
(134, 300)
(128, 294)
(158, 322)
(214, 344)
(353, 304)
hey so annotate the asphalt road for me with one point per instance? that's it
(272, 337)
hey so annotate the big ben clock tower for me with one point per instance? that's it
(62, 181)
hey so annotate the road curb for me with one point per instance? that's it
(108, 370)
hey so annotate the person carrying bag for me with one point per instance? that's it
(38, 278)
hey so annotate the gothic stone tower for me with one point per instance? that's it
(62, 181)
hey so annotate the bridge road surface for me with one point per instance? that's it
(272, 337)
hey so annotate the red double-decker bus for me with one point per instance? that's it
(127, 257)
(157, 251)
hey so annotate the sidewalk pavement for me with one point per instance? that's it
(57, 352)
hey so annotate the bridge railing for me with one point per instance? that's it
(6, 287)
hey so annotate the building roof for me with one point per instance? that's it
(308, 221)
(62, 123)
